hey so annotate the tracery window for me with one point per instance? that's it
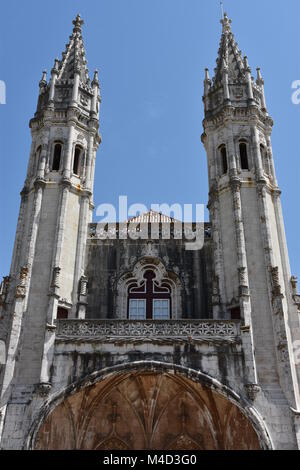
(149, 300)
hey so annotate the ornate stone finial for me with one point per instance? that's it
(78, 22)
(226, 22)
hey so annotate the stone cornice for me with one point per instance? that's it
(214, 119)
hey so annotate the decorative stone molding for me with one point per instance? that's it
(215, 290)
(235, 183)
(43, 389)
(148, 329)
(243, 281)
(56, 277)
(252, 390)
(275, 281)
(21, 287)
(39, 183)
(243, 276)
(283, 350)
(83, 286)
(50, 327)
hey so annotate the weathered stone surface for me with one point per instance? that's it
(147, 411)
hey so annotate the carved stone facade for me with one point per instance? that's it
(115, 342)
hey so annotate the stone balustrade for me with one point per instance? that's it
(149, 329)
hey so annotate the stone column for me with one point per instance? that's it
(48, 351)
(43, 157)
(80, 254)
(54, 75)
(257, 154)
(69, 150)
(75, 90)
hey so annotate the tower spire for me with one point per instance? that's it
(70, 84)
(232, 74)
(228, 54)
(74, 57)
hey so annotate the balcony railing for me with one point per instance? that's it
(86, 330)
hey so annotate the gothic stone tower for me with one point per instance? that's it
(252, 278)
(47, 269)
(123, 343)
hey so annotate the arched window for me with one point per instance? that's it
(56, 157)
(76, 161)
(224, 164)
(149, 301)
(244, 156)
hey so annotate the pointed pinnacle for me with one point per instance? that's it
(259, 79)
(56, 65)
(43, 80)
(246, 64)
(95, 79)
(207, 74)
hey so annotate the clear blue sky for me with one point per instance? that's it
(151, 56)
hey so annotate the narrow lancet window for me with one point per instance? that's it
(56, 157)
(244, 156)
(76, 162)
(224, 163)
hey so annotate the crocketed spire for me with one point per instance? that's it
(74, 59)
(229, 55)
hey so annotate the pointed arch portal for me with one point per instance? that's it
(147, 409)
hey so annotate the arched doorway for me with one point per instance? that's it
(147, 410)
